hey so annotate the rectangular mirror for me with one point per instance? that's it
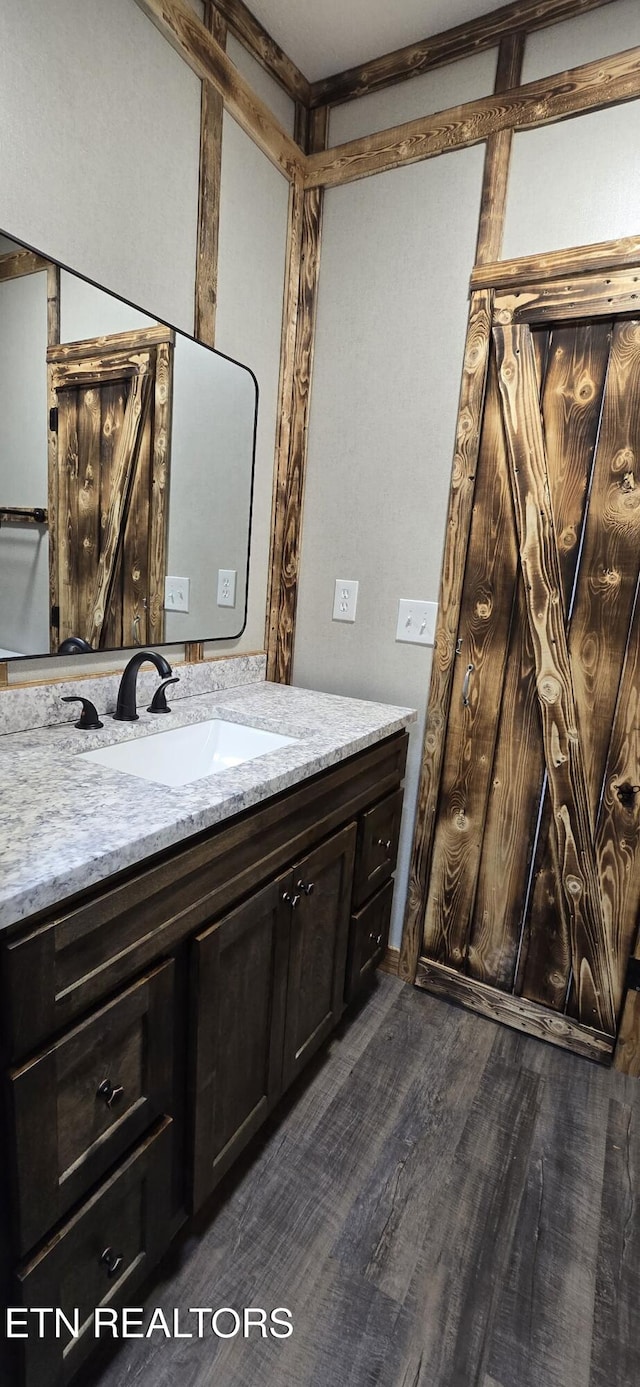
(126, 471)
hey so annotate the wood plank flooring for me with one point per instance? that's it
(442, 1202)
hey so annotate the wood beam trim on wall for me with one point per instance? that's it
(254, 37)
(449, 46)
(15, 264)
(497, 159)
(515, 274)
(474, 379)
(211, 114)
(188, 35)
(590, 87)
(296, 364)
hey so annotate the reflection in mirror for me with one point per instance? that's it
(126, 471)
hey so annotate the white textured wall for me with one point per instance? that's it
(610, 29)
(574, 183)
(100, 147)
(397, 251)
(421, 96)
(253, 234)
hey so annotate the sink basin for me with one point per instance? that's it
(185, 754)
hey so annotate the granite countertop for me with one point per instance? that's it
(66, 823)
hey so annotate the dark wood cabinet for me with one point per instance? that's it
(320, 895)
(86, 1099)
(98, 1258)
(238, 1001)
(149, 1026)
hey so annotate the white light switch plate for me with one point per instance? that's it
(176, 594)
(416, 621)
(345, 599)
(227, 587)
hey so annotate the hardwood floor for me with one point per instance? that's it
(443, 1203)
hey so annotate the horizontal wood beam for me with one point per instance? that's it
(583, 296)
(516, 1012)
(514, 274)
(21, 262)
(447, 47)
(590, 87)
(265, 50)
(192, 40)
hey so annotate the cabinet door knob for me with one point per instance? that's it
(111, 1261)
(384, 843)
(375, 938)
(291, 900)
(110, 1092)
(306, 887)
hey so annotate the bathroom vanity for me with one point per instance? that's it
(170, 960)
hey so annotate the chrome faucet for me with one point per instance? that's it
(126, 704)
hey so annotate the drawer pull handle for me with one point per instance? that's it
(291, 900)
(110, 1092)
(384, 843)
(111, 1261)
(307, 888)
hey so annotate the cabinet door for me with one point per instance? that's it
(317, 957)
(240, 972)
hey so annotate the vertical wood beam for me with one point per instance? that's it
(211, 115)
(474, 380)
(497, 157)
(296, 364)
(53, 340)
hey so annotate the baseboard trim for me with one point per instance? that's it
(516, 1012)
(391, 961)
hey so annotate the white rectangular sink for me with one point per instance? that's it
(185, 754)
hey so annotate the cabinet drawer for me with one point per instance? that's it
(368, 939)
(83, 1102)
(378, 835)
(128, 1219)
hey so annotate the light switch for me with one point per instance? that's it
(416, 621)
(227, 587)
(176, 594)
(345, 599)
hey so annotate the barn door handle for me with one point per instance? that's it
(465, 685)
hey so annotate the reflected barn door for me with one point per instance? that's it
(535, 877)
(109, 488)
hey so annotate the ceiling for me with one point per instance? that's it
(326, 36)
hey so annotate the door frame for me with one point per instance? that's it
(579, 283)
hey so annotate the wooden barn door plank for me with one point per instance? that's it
(483, 640)
(135, 412)
(590, 947)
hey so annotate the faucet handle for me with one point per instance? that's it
(88, 720)
(159, 703)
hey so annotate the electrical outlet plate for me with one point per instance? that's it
(227, 587)
(176, 594)
(416, 621)
(345, 599)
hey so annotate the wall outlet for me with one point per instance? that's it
(416, 621)
(227, 587)
(176, 594)
(345, 599)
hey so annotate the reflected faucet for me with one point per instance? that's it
(126, 704)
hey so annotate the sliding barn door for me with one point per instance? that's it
(109, 488)
(535, 879)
